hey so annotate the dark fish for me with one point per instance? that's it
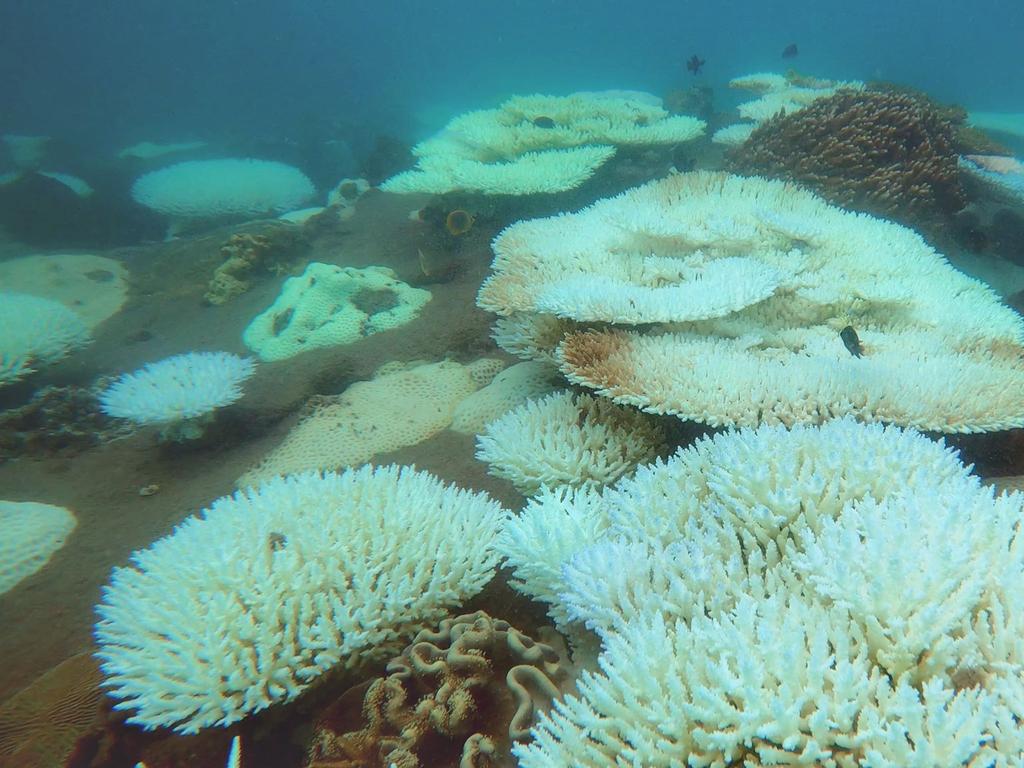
(790, 51)
(694, 63)
(851, 340)
(544, 122)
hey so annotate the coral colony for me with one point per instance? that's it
(714, 441)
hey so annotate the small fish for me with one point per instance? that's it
(694, 63)
(544, 122)
(790, 51)
(851, 340)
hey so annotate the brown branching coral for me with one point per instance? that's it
(457, 696)
(889, 154)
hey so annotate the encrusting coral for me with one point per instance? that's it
(730, 301)
(328, 305)
(888, 154)
(456, 696)
(246, 604)
(844, 595)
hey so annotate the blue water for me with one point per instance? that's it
(114, 72)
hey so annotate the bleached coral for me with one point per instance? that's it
(844, 595)
(399, 406)
(554, 525)
(227, 187)
(35, 332)
(566, 439)
(535, 144)
(779, 93)
(178, 388)
(504, 391)
(30, 533)
(733, 135)
(246, 604)
(754, 282)
(328, 305)
(532, 173)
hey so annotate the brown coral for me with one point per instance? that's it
(455, 697)
(889, 154)
(249, 256)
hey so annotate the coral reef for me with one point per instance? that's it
(884, 153)
(247, 257)
(457, 696)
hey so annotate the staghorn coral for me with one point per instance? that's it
(884, 153)
(475, 672)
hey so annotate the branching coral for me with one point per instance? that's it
(885, 153)
(246, 605)
(455, 696)
(843, 596)
(563, 439)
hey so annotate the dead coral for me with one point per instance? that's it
(249, 256)
(58, 421)
(455, 697)
(889, 154)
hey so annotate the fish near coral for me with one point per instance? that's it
(458, 222)
(694, 64)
